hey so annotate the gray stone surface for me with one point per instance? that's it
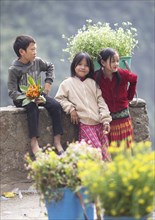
(15, 141)
(140, 120)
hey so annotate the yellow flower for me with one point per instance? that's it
(113, 212)
(151, 193)
(139, 192)
(125, 180)
(113, 168)
(147, 144)
(135, 176)
(94, 185)
(149, 209)
(111, 194)
(146, 189)
(130, 187)
(141, 201)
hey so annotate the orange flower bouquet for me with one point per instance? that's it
(31, 92)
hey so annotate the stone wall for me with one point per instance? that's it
(138, 112)
(14, 134)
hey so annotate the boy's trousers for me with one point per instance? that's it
(54, 109)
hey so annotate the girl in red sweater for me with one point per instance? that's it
(118, 88)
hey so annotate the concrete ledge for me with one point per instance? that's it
(14, 133)
(140, 120)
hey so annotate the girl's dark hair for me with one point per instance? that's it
(77, 59)
(104, 55)
(22, 42)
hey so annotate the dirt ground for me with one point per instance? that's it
(25, 204)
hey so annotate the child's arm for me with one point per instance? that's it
(130, 78)
(47, 88)
(13, 84)
(74, 117)
(106, 128)
(62, 96)
(103, 108)
(48, 68)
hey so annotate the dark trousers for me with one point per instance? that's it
(54, 110)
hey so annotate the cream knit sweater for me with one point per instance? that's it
(86, 98)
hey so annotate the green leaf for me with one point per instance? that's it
(21, 97)
(41, 90)
(31, 80)
(26, 101)
(38, 82)
(23, 88)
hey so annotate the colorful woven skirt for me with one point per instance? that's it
(121, 130)
(94, 136)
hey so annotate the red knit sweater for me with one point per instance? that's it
(118, 99)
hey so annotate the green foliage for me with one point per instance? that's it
(31, 81)
(52, 172)
(92, 38)
(126, 186)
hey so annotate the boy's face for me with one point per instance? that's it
(29, 54)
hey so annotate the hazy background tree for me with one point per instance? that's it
(47, 20)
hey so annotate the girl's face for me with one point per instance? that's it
(82, 69)
(111, 65)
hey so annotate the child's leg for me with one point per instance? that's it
(102, 137)
(93, 135)
(54, 110)
(34, 145)
(121, 130)
(33, 118)
(57, 143)
(104, 142)
(88, 133)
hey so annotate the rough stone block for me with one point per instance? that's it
(15, 141)
(14, 135)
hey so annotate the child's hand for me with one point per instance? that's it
(106, 128)
(39, 101)
(47, 88)
(74, 117)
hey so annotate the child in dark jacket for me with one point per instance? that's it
(28, 64)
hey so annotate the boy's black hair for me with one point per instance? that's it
(104, 55)
(22, 42)
(77, 59)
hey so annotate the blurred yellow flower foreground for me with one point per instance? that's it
(125, 186)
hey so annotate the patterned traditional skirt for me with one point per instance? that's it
(121, 128)
(93, 135)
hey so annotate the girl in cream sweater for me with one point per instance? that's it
(80, 97)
